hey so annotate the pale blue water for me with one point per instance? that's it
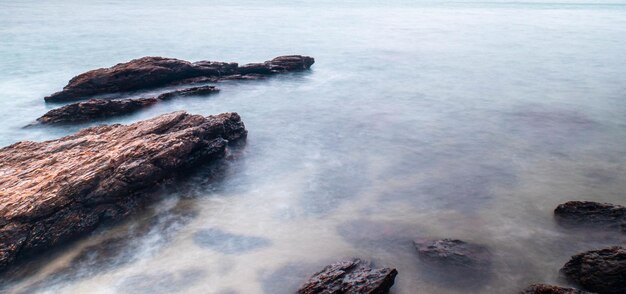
(461, 119)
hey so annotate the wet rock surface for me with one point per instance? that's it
(591, 214)
(94, 109)
(602, 271)
(149, 72)
(354, 276)
(446, 260)
(103, 108)
(550, 289)
(56, 190)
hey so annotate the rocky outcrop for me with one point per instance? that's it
(150, 72)
(550, 289)
(103, 108)
(602, 271)
(591, 214)
(56, 190)
(353, 276)
(94, 109)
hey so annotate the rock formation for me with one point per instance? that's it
(353, 276)
(94, 109)
(550, 289)
(150, 72)
(103, 108)
(602, 271)
(56, 190)
(591, 214)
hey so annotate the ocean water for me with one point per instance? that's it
(420, 119)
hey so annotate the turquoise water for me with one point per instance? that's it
(419, 119)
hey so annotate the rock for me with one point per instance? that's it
(94, 109)
(602, 271)
(53, 191)
(591, 214)
(550, 289)
(354, 276)
(450, 252)
(102, 108)
(150, 72)
(199, 91)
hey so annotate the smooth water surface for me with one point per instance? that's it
(419, 119)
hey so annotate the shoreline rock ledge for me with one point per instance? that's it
(53, 191)
(350, 276)
(151, 72)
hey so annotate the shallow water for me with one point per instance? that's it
(467, 120)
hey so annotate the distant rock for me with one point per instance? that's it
(53, 191)
(602, 271)
(151, 72)
(350, 277)
(550, 289)
(591, 214)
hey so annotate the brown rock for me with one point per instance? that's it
(55, 190)
(150, 72)
(102, 108)
(591, 214)
(94, 109)
(550, 289)
(350, 277)
(602, 271)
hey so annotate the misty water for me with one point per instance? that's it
(419, 119)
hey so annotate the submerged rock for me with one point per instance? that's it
(591, 214)
(602, 271)
(354, 276)
(454, 263)
(150, 72)
(450, 252)
(94, 109)
(550, 289)
(103, 108)
(56, 190)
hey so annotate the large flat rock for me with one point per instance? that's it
(149, 72)
(56, 190)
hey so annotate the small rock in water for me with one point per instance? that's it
(203, 90)
(450, 252)
(591, 214)
(350, 277)
(550, 289)
(602, 271)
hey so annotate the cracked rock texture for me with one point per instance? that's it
(53, 191)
